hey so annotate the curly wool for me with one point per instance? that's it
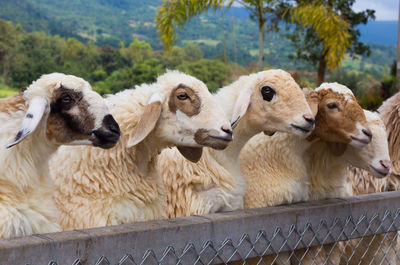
(216, 183)
(26, 203)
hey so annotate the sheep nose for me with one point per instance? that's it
(367, 133)
(227, 129)
(309, 118)
(111, 124)
(385, 163)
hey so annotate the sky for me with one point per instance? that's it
(384, 9)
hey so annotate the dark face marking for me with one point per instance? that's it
(108, 135)
(212, 139)
(69, 118)
(184, 99)
(19, 134)
(337, 117)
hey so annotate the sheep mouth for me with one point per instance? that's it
(381, 172)
(104, 139)
(361, 140)
(226, 139)
(212, 139)
(218, 142)
(302, 129)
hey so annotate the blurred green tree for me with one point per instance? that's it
(213, 72)
(177, 12)
(325, 30)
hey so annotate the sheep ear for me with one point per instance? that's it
(193, 154)
(337, 149)
(313, 99)
(241, 105)
(147, 121)
(34, 114)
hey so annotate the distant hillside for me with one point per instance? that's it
(110, 22)
(32, 18)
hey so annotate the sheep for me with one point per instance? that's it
(363, 181)
(373, 248)
(54, 110)
(329, 180)
(108, 187)
(311, 162)
(328, 171)
(267, 101)
(275, 168)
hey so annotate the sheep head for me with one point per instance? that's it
(390, 113)
(72, 112)
(273, 101)
(183, 114)
(339, 118)
(375, 156)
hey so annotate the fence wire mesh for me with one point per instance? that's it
(379, 248)
(369, 238)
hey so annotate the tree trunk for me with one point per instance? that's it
(398, 54)
(223, 32)
(234, 43)
(321, 70)
(261, 28)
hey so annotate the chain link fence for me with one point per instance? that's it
(356, 230)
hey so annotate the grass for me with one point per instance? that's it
(254, 52)
(204, 41)
(6, 91)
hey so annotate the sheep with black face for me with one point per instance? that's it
(56, 109)
(123, 185)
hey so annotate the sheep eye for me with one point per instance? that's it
(332, 105)
(182, 96)
(66, 99)
(267, 93)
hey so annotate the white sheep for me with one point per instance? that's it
(328, 178)
(315, 169)
(54, 110)
(328, 172)
(108, 187)
(267, 101)
(374, 248)
(276, 168)
(363, 181)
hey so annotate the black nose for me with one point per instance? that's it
(309, 118)
(367, 133)
(226, 129)
(110, 124)
(108, 134)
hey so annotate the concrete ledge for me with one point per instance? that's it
(315, 222)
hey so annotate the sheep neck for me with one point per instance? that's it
(242, 133)
(229, 157)
(31, 155)
(146, 153)
(327, 172)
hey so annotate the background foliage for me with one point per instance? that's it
(114, 45)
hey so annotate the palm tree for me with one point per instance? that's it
(329, 27)
(177, 12)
